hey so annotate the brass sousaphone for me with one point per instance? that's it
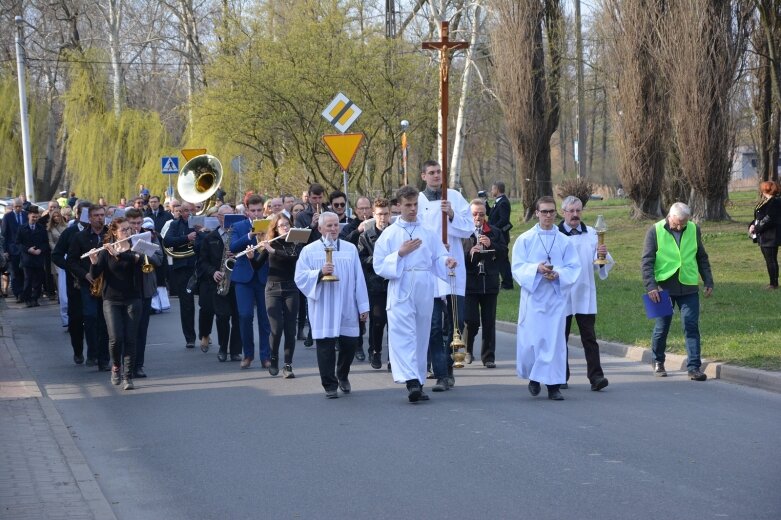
(199, 180)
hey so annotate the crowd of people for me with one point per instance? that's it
(309, 270)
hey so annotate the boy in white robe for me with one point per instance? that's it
(335, 307)
(431, 209)
(583, 296)
(412, 258)
(545, 265)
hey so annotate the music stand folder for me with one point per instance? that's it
(298, 235)
(658, 310)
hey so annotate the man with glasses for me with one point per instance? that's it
(181, 237)
(12, 223)
(95, 331)
(357, 225)
(583, 296)
(545, 265)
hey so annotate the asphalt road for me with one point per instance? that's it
(200, 439)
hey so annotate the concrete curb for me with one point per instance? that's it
(752, 377)
(82, 473)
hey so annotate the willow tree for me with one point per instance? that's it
(288, 60)
(527, 44)
(701, 51)
(109, 155)
(638, 102)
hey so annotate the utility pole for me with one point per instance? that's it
(581, 151)
(29, 186)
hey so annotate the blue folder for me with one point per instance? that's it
(232, 219)
(658, 310)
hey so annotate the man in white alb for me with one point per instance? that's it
(408, 254)
(335, 307)
(431, 209)
(546, 265)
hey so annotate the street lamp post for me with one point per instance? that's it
(29, 186)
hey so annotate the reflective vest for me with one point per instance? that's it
(671, 258)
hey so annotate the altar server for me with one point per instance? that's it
(335, 307)
(408, 254)
(546, 265)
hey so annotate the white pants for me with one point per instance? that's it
(409, 326)
(62, 293)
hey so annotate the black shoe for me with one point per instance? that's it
(423, 396)
(29, 304)
(697, 375)
(331, 394)
(139, 373)
(235, 357)
(376, 360)
(78, 359)
(414, 389)
(91, 362)
(301, 335)
(308, 342)
(344, 385)
(534, 388)
(273, 368)
(190, 345)
(554, 394)
(441, 385)
(287, 371)
(565, 386)
(222, 356)
(490, 364)
(598, 384)
(359, 355)
(659, 370)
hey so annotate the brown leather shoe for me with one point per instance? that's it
(246, 362)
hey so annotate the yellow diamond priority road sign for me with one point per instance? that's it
(343, 147)
(341, 112)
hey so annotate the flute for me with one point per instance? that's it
(101, 248)
(258, 246)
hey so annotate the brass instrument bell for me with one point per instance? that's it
(199, 180)
(147, 267)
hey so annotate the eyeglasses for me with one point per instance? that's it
(338, 204)
(283, 224)
(546, 211)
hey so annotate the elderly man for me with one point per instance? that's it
(276, 205)
(335, 307)
(674, 259)
(583, 296)
(545, 265)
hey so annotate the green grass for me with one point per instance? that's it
(739, 324)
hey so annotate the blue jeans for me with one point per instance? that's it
(689, 306)
(252, 297)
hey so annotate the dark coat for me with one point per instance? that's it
(767, 218)
(487, 283)
(82, 242)
(367, 240)
(162, 217)
(27, 238)
(176, 237)
(500, 214)
(210, 256)
(10, 227)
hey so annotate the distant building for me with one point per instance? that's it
(744, 164)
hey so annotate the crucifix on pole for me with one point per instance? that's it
(445, 47)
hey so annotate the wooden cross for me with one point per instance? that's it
(445, 47)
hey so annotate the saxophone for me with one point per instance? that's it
(224, 286)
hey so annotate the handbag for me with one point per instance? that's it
(160, 301)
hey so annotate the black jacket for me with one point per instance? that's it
(82, 242)
(500, 215)
(767, 218)
(210, 256)
(27, 238)
(162, 217)
(374, 282)
(176, 237)
(487, 283)
(9, 228)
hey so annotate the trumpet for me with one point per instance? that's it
(146, 235)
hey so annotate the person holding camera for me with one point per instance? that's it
(765, 229)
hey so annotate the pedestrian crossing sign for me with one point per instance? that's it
(170, 165)
(341, 112)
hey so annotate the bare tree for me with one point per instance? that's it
(638, 103)
(702, 44)
(766, 39)
(527, 42)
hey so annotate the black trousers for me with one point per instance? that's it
(75, 318)
(588, 337)
(16, 274)
(228, 329)
(33, 280)
(179, 278)
(327, 359)
(771, 261)
(282, 307)
(378, 318)
(49, 283)
(481, 308)
(143, 328)
(207, 290)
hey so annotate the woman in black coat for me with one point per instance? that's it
(766, 229)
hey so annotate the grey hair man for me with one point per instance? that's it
(674, 260)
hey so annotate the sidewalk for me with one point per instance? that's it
(43, 475)
(753, 377)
